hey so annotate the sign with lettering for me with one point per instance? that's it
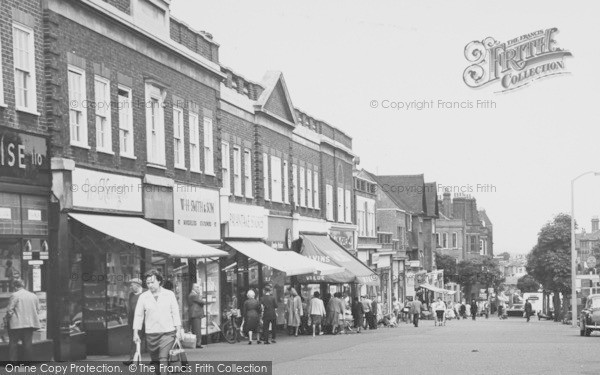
(196, 212)
(247, 221)
(344, 237)
(23, 156)
(107, 191)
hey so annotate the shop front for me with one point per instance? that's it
(106, 240)
(253, 264)
(24, 247)
(320, 247)
(196, 215)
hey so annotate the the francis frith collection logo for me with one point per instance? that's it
(514, 63)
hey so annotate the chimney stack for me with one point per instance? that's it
(447, 205)
(595, 223)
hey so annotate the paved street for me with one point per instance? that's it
(461, 347)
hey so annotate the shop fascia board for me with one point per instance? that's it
(158, 181)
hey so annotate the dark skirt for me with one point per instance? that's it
(251, 322)
(159, 344)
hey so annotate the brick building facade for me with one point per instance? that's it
(24, 163)
(132, 112)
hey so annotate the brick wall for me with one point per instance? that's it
(28, 13)
(122, 5)
(201, 44)
(276, 103)
(67, 40)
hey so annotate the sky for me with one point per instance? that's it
(340, 57)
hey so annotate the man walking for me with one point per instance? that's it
(269, 306)
(528, 310)
(135, 287)
(157, 308)
(22, 313)
(415, 310)
(473, 309)
(196, 306)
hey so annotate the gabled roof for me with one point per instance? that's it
(485, 218)
(431, 199)
(408, 191)
(275, 99)
(364, 175)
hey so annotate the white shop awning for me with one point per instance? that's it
(289, 262)
(142, 233)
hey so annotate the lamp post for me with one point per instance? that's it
(574, 252)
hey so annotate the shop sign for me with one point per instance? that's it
(5, 213)
(106, 191)
(22, 156)
(246, 221)
(345, 238)
(196, 212)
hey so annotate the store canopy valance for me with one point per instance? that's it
(289, 262)
(142, 233)
(435, 288)
(323, 249)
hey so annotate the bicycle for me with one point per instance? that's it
(230, 329)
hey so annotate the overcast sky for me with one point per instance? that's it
(339, 56)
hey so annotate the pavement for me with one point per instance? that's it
(484, 346)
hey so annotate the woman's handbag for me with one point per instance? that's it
(177, 354)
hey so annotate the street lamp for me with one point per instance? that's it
(574, 252)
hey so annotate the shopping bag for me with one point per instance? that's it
(189, 340)
(177, 355)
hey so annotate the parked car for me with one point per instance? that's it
(589, 320)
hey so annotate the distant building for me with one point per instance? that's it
(462, 231)
(585, 242)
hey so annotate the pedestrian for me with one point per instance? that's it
(366, 302)
(528, 310)
(374, 312)
(135, 289)
(415, 309)
(269, 307)
(473, 309)
(11, 274)
(158, 311)
(334, 309)
(22, 315)
(317, 312)
(196, 309)
(358, 313)
(440, 310)
(251, 316)
(294, 311)
(396, 306)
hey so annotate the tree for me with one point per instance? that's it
(482, 271)
(448, 264)
(505, 255)
(549, 262)
(527, 284)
